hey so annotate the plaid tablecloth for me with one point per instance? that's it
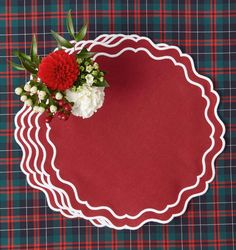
(204, 29)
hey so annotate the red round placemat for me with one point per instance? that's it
(34, 158)
(153, 125)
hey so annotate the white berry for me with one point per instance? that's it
(23, 98)
(41, 94)
(41, 109)
(27, 87)
(36, 109)
(18, 90)
(29, 102)
(58, 96)
(33, 90)
(53, 108)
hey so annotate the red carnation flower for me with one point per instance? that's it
(58, 70)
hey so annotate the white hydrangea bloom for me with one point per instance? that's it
(87, 100)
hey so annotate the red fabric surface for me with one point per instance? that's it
(76, 124)
(127, 152)
(187, 62)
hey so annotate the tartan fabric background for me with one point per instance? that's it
(204, 29)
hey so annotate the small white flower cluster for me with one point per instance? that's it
(26, 94)
(90, 72)
(87, 100)
(91, 69)
(28, 91)
(83, 99)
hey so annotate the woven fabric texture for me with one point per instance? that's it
(204, 29)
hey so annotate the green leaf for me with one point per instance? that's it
(69, 24)
(61, 40)
(44, 88)
(28, 66)
(16, 66)
(80, 36)
(34, 76)
(26, 61)
(84, 53)
(34, 50)
(33, 83)
(101, 84)
(22, 55)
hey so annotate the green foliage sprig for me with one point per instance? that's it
(36, 94)
(31, 62)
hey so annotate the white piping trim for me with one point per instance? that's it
(215, 109)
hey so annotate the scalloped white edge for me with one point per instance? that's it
(215, 114)
(33, 173)
(203, 95)
(45, 184)
(74, 214)
(103, 221)
(203, 158)
(72, 211)
(82, 44)
(39, 185)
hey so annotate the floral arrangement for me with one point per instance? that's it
(62, 84)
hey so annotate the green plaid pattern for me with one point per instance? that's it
(205, 30)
